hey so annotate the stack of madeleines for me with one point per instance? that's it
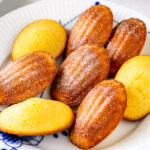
(94, 51)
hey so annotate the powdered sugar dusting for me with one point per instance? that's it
(80, 72)
(32, 74)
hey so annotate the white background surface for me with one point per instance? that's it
(141, 6)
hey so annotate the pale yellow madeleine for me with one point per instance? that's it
(42, 35)
(135, 75)
(36, 117)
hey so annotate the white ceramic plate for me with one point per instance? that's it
(128, 135)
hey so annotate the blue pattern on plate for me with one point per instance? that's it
(14, 141)
(115, 21)
(97, 3)
(55, 135)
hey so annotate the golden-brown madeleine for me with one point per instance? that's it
(94, 26)
(80, 71)
(99, 114)
(26, 77)
(126, 41)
